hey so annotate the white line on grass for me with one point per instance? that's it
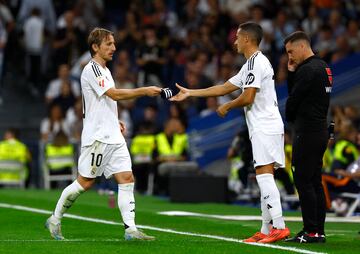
(355, 219)
(66, 240)
(228, 239)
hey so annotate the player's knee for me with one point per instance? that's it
(86, 183)
(125, 177)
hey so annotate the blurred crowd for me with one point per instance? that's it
(160, 42)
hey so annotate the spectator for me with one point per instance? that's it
(177, 111)
(281, 74)
(46, 9)
(343, 49)
(325, 44)
(282, 27)
(79, 65)
(69, 42)
(236, 6)
(122, 77)
(52, 124)
(54, 87)
(211, 106)
(150, 118)
(3, 40)
(336, 24)
(312, 23)
(241, 159)
(257, 13)
(225, 73)
(74, 121)
(345, 150)
(353, 35)
(66, 99)
(150, 58)
(171, 146)
(34, 34)
(6, 16)
(163, 16)
(125, 118)
(345, 153)
(13, 152)
(92, 12)
(7, 19)
(60, 156)
(142, 149)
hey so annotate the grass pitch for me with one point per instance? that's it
(22, 231)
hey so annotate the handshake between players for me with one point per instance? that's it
(167, 93)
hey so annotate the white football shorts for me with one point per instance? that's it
(267, 149)
(100, 158)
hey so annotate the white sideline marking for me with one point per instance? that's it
(66, 240)
(228, 239)
(247, 218)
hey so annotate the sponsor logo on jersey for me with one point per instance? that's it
(249, 79)
(328, 87)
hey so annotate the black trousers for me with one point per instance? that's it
(34, 69)
(308, 151)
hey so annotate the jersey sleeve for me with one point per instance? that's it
(236, 80)
(97, 80)
(253, 74)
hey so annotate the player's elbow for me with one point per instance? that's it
(248, 100)
(113, 94)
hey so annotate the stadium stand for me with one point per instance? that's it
(194, 47)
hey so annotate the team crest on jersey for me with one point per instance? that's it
(101, 81)
(249, 79)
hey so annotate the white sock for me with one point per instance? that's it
(67, 198)
(271, 197)
(126, 203)
(266, 218)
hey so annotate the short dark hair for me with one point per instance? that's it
(296, 36)
(253, 29)
(13, 131)
(96, 36)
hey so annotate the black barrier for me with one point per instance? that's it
(198, 188)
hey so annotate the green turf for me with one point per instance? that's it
(90, 237)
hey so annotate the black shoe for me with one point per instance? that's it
(292, 239)
(304, 237)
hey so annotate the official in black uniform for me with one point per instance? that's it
(309, 85)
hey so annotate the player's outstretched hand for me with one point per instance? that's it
(181, 95)
(153, 91)
(222, 110)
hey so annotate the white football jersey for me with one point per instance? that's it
(263, 115)
(100, 114)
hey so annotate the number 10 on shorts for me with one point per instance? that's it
(96, 159)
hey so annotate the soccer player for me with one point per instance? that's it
(309, 84)
(266, 130)
(103, 148)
